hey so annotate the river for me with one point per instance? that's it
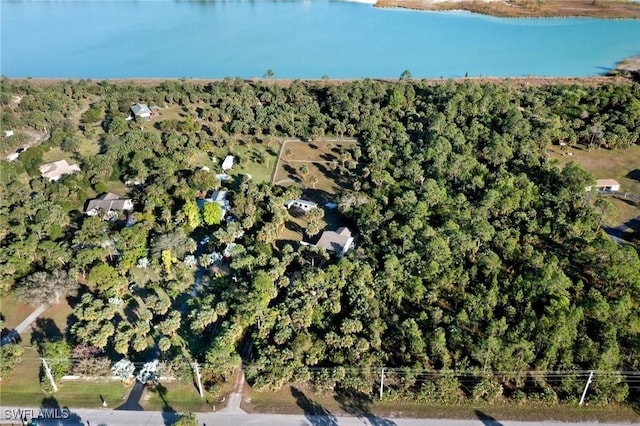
(296, 39)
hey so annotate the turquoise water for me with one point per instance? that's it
(296, 39)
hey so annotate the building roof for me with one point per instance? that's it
(219, 197)
(339, 241)
(54, 171)
(228, 162)
(607, 182)
(140, 110)
(108, 202)
(301, 203)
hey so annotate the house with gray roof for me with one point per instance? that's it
(340, 241)
(108, 203)
(142, 111)
(219, 197)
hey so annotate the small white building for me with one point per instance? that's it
(8, 133)
(605, 185)
(300, 204)
(142, 111)
(54, 171)
(227, 164)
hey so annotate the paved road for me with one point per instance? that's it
(95, 417)
(23, 325)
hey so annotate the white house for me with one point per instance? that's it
(340, 241)
(227, 164)
(219, 197)
(54, 171)
(142, 111)
(605, 185)
(8, 133)
(108, 203)
(299, 204)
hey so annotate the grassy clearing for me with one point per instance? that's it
(116, 187)
(258, 160)
(13, 311)
(301, 399)
(56, 154)
(621, 165)
(318, 156)
(88, 147)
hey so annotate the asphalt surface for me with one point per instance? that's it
(106, 417)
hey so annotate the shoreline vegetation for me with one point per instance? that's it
(621, 74)
(611, 9)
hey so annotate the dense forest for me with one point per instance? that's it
(478, 261)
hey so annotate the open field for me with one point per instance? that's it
(301, 399)
(527, 8)
(254, 159)
(621, 165)
(320, 158)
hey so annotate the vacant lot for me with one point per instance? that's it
(321, 159)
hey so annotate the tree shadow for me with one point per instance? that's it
(486, 419)
(45, 330)
(358, 404)
(56, 415)
(634, 174)
(315, 413)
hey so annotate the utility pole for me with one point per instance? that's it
(47, 370)
(586, 386)
(382, 381)
(198, 381)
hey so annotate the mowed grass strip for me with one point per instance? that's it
(179, 396)
(301, 399)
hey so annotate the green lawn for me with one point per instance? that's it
(177, 396)
(621, 165)
(56, 154)
(258, 161)
(88, 148)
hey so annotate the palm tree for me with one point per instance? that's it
(313, 179)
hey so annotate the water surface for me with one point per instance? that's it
(296, 39)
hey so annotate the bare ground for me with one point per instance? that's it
(527, 8)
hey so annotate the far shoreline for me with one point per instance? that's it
(534, 81)
(601, 9)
